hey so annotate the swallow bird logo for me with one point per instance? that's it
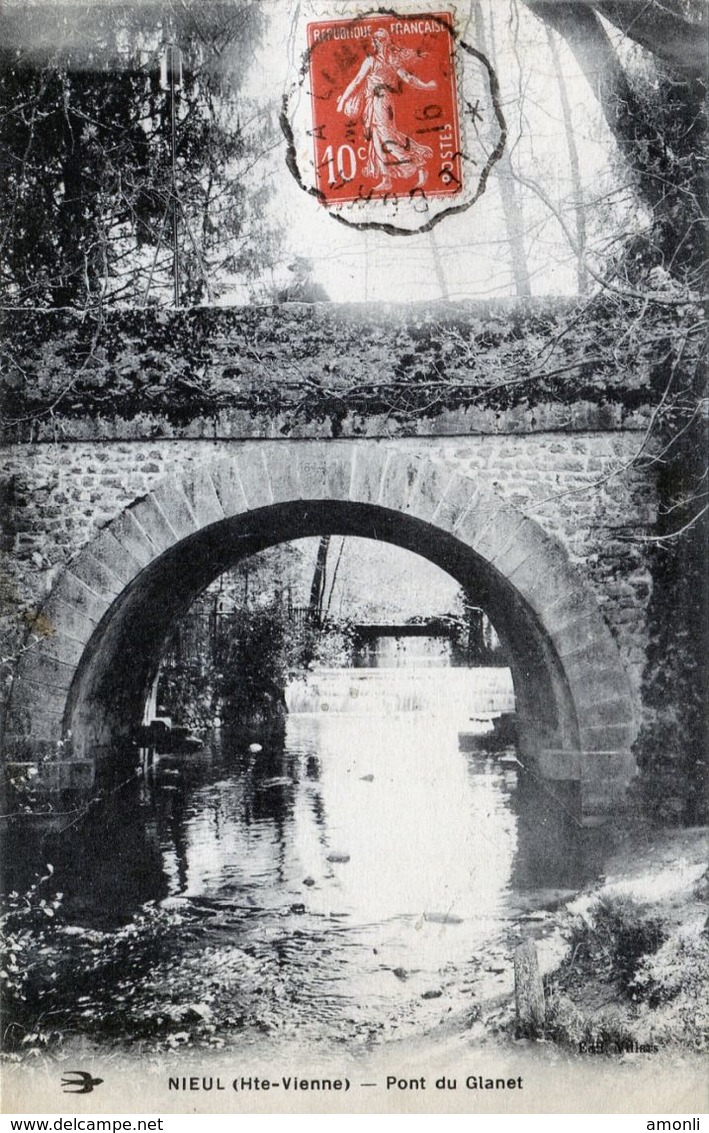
(79, 1082)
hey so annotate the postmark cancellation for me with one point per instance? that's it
(393, 117)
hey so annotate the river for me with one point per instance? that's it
(367, 873)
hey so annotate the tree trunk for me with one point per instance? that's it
(679, 43)
(438, 266)
(511, 204)
(576, 187)
(651, 152)
(597, 58)
(529, 992)
(317, 589)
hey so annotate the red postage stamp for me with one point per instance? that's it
(384, 107)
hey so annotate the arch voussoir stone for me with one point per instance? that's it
(543, 579)
(174, 505)
(605, 737)
(150, 517)
(482, 511)
(500, 535)
(61, 616)
(330, 480)
(428, 490)
(548, 610)
(43, 699)
(574, 636)
(457, 498)
(115, 556)
(398, 481)
(369, 462)
(228, 487)
(593, 701)
(48, 672)
(126, 530)
(570, 607)
(525, 543)
(63, 648)
(601, 696)
(203, 499)
(339, 475)
(262, 479)
(74, 592)
(598, 656)
(91, 569)
(614, 711)
(255, 477)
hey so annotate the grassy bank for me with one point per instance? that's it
(635, 975)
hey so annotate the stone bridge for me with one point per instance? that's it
(147, 454)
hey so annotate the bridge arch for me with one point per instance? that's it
(110, 613)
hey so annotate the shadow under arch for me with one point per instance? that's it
(113, 609)
(108, 695)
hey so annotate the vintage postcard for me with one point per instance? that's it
(354, 557)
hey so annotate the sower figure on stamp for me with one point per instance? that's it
(391, 153)
(304, 288)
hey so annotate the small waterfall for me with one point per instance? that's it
(457, 694)
(400, 652)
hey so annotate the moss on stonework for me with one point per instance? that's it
(319, 361)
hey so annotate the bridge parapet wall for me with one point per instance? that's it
(101, 417)
(320, 370)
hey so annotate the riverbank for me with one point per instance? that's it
(626, 961)
(626, 1027)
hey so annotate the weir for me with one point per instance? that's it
(455, 694)
(120, 521)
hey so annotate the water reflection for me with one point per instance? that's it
(363, 856)
(378, 838)
(112, 861)
(423, 827)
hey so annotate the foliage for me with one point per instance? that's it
(329, 645)
(606, 1031)
(660, 969)
(671, 159)
(86, 188)
(612, 941)
(172, 976)
(180, 366)
(28, 929)
(58, 976)
(675, 981)
(254, 667)
(672, 745)
(236, 665)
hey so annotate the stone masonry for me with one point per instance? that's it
(567, 504)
